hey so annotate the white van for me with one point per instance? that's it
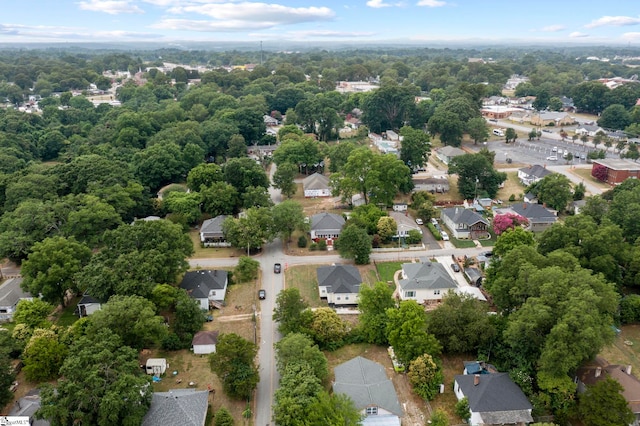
(498, 132)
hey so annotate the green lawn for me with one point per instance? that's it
(67, 316)
(386, 270)
(304, 278)
(462, 243)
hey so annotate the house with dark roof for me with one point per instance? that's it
(316, 185)
(184, 407)
(327, 226)
(206, 286)
(204, 342)
(368, 386)
(339, 284)
(494, 399)
(27, 407)
(538, 216)
(600, 369)
(532, 174)
(87, 306)
(426, 282)
(448, 153)
(465, 223)
(211, 234)
(10, 294)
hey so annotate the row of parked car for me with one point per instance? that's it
(434, 222)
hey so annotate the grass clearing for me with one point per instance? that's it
(387, 270)
(67, 316)
(625, 349)
(304, 278)
(512, 186)
(585, 174)
(208, 252)
(462, 243)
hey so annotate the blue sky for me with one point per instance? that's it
(488, 21)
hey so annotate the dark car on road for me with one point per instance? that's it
(277, 268)
(455, 267)
(262, 294)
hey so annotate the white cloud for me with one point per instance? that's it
(110, 6)
(631, 36)
(48, 33)
(258, 12)
(431, 3)
(578, 34)
(211, 26)
(553, 28)
(616, 21)
(329, 33)
(378, 4)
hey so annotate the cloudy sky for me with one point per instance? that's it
(492, 21)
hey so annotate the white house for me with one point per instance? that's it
(405, 224)
(211, 234)
(367, 384)
(400, 207)
(327, 226)
(532, 174)
(87, 306)
(10, 294)
(339, 284)
(425, 282)
(494, 399)
(206, 286)
(448, 153)
(316, 185)
(204, 342)
(156, 366)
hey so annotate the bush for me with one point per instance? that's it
(434, 231)
(630, 309)
(414, 237)
(313, 246)
(322, 244)
(376, 241)
(172, 342)
(512, 197)
(302, 241)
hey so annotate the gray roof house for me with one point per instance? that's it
(431, 184)
(368, 386)
(425, 282)
(448, 153)
(316, 185)
(184, 407)
(27, 407)
(211, 234)
(10, 294)
(206, 286)
(588, 129)
(532, 174)
(327, 226)
(339, 284)
(539, 217)
(494, 399)
(405, 224)
(465, 223)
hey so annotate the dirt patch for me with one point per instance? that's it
(512, 186)
(625, 349)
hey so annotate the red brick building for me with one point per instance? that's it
(617, 170)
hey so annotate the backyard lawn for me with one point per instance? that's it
(386, 270)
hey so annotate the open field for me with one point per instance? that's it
(209, 252)
(625, 349)
(585, 174)
(512, 186)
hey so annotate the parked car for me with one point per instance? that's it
(277, 268)
(262, 294)
(445, 236)
(555, 149)
(583, 156)
(434, 221)
(552, 158)
(546, 130)
(419, 221)
(455, 267)
(486, 254)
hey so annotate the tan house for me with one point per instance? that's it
(549, 118)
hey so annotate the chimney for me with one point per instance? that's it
(476, 379)
(598, 371)
(629, 369)
(524, 206)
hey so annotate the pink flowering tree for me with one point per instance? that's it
(502, 222)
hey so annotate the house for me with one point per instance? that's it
(316, 185)
(211, 234)
(425, 282)
(156, 366)
(478, 367)
(465, 223)
(431, 184)
(448, 153)
(530, 197)
(494, 399)
(184, 407)
(400, 207)
(204, 342)
(366, 383)
(269, 121)
(588, 129)
(617, 170)
(551, 118)
(10, 294)
(532, 174)
(600, 369)
(405, 224)
(578, 205)
(206, 286)
(357, 200)
(327, 226)
(474, 275)
(26, 407)
(392, 136)
(87, 305)
(538, 216)
(567, 104)
(339, 284)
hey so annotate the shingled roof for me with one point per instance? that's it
(367, 384)
(199, 283)
(339, 278)
(327, 221)
(185, 407)
(425, 276)
(315, 181)
(462, 215)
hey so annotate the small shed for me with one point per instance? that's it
(87, 305)
(204, 342)
(156, 366)
(474, 275)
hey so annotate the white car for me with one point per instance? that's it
(419, 221)
(434, 221)
(555, 149)
(552, 158)
(445, 236)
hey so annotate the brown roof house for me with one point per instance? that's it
(339, 284)
(600, 369)
(368, 386)
(204, 342)
(494, 399)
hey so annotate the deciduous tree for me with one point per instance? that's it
(354, 244)
(407, 332)
(233, 362)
